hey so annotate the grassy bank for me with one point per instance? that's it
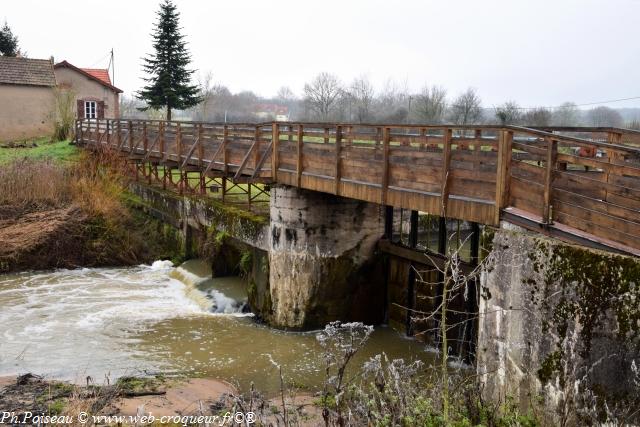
(39, 149)
(61, 208)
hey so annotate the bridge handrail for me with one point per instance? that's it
(468, 172)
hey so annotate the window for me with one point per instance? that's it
(90, 110)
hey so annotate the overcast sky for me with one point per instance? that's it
(536, 52)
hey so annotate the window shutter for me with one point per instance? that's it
(100, 112)
(80, 103)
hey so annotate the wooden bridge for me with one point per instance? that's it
(580, 184)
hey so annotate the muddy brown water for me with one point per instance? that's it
(105, 323)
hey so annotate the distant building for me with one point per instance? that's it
(266, 112)
(96, 97)
(28, 94)
(26, 98)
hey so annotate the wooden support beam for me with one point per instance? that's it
(150, 149)
(266, 153)
(245, 160)
(446, 165)
(299, 164)
(552, 152)
(190, 153)
(338, 152)
(212, 161)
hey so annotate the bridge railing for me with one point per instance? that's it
(589, 183)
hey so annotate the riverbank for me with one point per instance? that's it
(56, 213)
(128, 396)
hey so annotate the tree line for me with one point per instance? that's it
(326, 99)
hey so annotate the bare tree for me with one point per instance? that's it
(286, 95)
(540, 117)
(322, 94)
(566, 115)
(509, 113)
(392, 103)
(431, 105)
(206, 91)
(362, 94)
(65, 113)
(604, 116)
(467, 108)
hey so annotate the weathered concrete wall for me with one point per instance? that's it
(320, 248)
(206, 215)
(559, 322)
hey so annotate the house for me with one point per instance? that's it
(28, 90)
(95, 96)
(279, 113)
(27, 98)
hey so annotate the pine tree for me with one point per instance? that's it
(169, 82)
(8, 42)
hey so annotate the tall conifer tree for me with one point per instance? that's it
(169, 78)
(8, 42)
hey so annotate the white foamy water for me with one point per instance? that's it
(88, 316)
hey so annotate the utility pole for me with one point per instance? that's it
(113, 70)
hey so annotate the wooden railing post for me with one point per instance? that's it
(119, 134)
(225, 152)
(145, 138)
(130, 127)
(552, 153)
(200, 145)
(505, 140)
(386, 137)
(256, 152)
(109, 126)
(275, 143)
(299, 164)
(338, 150)
(161, 132)
(179, 142)
(446, 163)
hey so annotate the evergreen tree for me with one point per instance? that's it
(169, 82)
(8, 42)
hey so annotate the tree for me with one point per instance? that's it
(604, 116)
(566, 115)
(467, 108)
(8, 42)
(509, 113)
(169, 82)
(540, 117)
(206, 90)
(322, 94)
(431, 105)
(362, 94)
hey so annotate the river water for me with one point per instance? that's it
(70, 324)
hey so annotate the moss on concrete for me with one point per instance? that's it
(584, 289)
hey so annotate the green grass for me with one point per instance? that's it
(58, 151)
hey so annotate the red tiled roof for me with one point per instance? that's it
(99, 73)
(105, 80)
